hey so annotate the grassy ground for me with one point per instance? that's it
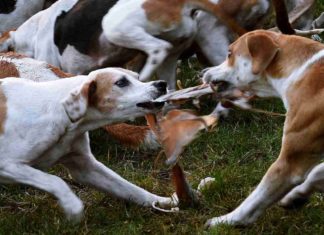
(237, 154)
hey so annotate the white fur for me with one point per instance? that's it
(31, 69)
(37, 120)
(24, 9)
(125, 26)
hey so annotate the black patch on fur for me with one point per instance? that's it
(7, 6)
(81, 26)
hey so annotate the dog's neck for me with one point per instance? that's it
(282, 84)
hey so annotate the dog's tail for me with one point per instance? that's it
(213, 8)
(282, 18)
(133, 136)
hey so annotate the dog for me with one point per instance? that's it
(80, 36)
(213, 37)
(270, 64)
(13, 13)
(50, 120)
(16, 65)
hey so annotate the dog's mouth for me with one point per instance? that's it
(150, 105)
(221, 86)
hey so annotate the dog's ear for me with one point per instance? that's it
(76, 104)
(263, 50)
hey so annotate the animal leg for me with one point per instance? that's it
(23, 174)
(281, 177)
(86, 169)
(137, 38)
(299, 195)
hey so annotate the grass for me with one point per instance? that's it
(237, 154)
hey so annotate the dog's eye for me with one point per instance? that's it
(123, 82)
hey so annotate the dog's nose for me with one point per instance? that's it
(161, 86)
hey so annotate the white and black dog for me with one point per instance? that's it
(82, 35)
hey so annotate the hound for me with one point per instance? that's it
(291, 68)
(16, 65)
(50, 120)
(80, 36)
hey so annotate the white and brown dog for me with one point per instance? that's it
(16, 65)
(214, 38)
(51, 120)
(291, 68)
(80, 36)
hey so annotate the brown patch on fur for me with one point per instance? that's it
(129, 135)
(287, 58)
(104, 87)
(294, 51)
(4, 37)
(3, 110)
(12, 55)
(165, 12)
(168, 13)
(8, 69)
(59, 73)
(183, 189)
(303, 142)
(234, 7)
(262, 49)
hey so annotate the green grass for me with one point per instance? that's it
(237, 153)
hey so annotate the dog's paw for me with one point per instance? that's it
(74, 210)
(216, 221)
(228, 219)
(292, 203)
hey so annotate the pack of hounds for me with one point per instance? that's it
(71, 66)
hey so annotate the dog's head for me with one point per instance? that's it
(115, 94)
(248, 59)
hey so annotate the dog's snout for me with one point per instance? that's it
(161, 86)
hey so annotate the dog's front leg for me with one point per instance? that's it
(86, 169)
(167, 71)
(24, 174)
(281, 177)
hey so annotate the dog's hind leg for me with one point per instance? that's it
(288, 171)
(24, 174)
(137, 38)
(167, 71)
(299, 195)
